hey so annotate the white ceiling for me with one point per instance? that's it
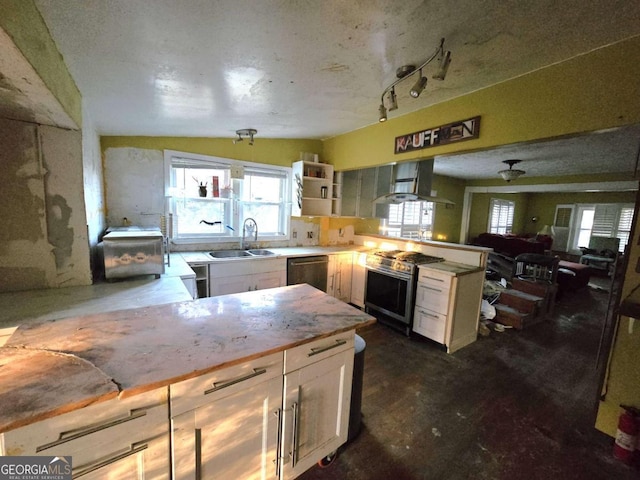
(312, 69)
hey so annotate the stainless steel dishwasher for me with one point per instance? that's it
(311, 270)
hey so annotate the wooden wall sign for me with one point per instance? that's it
(442, 135)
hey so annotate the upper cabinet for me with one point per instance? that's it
(312, 189)
(361, 187)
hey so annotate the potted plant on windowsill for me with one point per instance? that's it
(202, 187)
(226, 191)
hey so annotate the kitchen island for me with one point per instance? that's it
(68, 367)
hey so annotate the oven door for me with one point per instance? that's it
(389, 294)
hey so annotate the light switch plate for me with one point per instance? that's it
(237, 171)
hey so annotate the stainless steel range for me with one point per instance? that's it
(391, 285)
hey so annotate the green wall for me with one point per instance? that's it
(448, 218)
(594, 91)
(540, 205)
(282, 152)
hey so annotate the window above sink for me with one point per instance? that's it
(209, 198)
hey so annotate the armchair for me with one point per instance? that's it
(602, 253)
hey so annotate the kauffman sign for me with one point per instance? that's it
(442, 135)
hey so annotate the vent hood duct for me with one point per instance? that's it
(411, 182)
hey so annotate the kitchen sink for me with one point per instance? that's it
(260, 252)
(230, 253)
(257, 252)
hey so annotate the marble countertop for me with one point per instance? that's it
(204, 257)
(452, 268)
(55, 303)
(55, 366)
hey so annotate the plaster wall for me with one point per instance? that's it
(93, 180)
(43, 243)
(134, 185)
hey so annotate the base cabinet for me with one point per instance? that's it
(124, 439)
(316, 412)
(339, 276)
(247, 276)
(358, 279)
(232, 437)
(447, 305)
(251, 421)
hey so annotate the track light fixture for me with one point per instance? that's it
(419, 86)
(511, 174)
(393, 100)
(406, 71)
(245, 133)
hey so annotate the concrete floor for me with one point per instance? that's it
(514, 405)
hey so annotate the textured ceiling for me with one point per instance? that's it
(307, 69)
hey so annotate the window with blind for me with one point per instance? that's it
(501, 216)
(412, 220)
(234, 191)
(604, 220)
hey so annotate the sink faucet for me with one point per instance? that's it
(249, 227)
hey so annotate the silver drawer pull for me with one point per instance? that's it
(79, 433)
(220, 385)
(428, 314)
(431, 288)
(317, 350)
(134, 448)
(432, 278)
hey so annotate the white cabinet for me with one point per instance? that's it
(245, 275)
(312, 192)
(202, 279)
(126, 439)
(447, 305)
(358, 279)
(250, 421)
(360, 187)
(339, 276)
(317, 395)
(227, 424)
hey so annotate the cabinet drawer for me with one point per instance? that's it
(312, 352)
(97, 432)
(434, 278)
(207, 388)
(430, 324)
(432, 297)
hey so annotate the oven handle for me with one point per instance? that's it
(399, 276)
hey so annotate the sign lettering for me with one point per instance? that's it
(442, 135)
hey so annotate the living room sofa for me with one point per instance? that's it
(514, 245)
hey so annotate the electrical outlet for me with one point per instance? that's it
(309, 234)
(294, 234)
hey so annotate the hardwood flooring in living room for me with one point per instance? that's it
(514, 405)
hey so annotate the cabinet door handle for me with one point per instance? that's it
(428, 314)
(79, 433)
(198, 453)
(85, 469)
(317, 350)
(220, 385)
(278, 413)
(294, 438)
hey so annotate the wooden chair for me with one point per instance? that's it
(536, 267)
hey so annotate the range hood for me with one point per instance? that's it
(411, 182)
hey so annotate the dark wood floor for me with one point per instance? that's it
(514, 405)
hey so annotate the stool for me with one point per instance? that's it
(572, 276)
